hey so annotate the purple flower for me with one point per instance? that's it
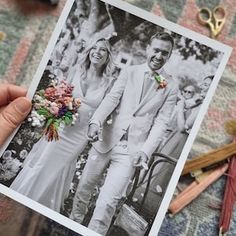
(62, 111)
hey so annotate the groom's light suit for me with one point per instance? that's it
(144, 117)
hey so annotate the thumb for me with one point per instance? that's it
(12, 115)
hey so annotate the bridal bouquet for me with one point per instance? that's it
(54, 106)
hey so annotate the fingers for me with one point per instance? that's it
(9, 92)
(12, 116)
(139, 161)
(144, 165)
(141, 165)
(93, 133)
(136, 161)
(93, 137)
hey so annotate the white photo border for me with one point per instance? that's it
(187, 147)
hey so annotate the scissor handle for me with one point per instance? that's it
(204, 15)
(219, 16)
(219, 13)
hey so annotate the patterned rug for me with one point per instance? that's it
(28, 25)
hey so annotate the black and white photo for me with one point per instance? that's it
(117, 102)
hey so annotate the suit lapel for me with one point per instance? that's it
(150, 93)
(158, 95)
(153, 92)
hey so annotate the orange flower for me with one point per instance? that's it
(77, 101)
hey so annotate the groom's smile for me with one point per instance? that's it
(158, 53)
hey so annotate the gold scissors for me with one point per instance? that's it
(214, 19)
(2, 36)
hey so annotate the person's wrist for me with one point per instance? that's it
(94, 121)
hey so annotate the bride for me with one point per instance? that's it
(49, 168)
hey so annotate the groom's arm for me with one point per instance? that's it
(160, 124)
(111, 100)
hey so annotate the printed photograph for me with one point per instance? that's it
(111, 115)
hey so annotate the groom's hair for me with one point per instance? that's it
(163, 36)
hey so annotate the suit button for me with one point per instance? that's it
(134, 115)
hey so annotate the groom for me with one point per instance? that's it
(140, 105)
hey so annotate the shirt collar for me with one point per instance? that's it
(147, 69)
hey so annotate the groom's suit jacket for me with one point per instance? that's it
(145, 118)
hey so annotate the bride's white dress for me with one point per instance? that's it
(49, 168)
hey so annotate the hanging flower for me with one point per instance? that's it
(162, 83)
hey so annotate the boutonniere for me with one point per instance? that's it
(162, 83)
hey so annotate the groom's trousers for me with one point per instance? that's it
(119, 173)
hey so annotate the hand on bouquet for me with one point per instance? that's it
(14, 108)
(140, 160)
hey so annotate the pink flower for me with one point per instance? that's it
(50, 92)
(60, 92)
(163, 84)
(54, 110)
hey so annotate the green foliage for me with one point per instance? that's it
(44, 112)
(69, 114)
(158, 78)
(67, 120)
(41, 92)
(57, 123)
(49, 122)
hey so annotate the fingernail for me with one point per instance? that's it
(22, 105)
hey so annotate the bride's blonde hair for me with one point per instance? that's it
(108, 67)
